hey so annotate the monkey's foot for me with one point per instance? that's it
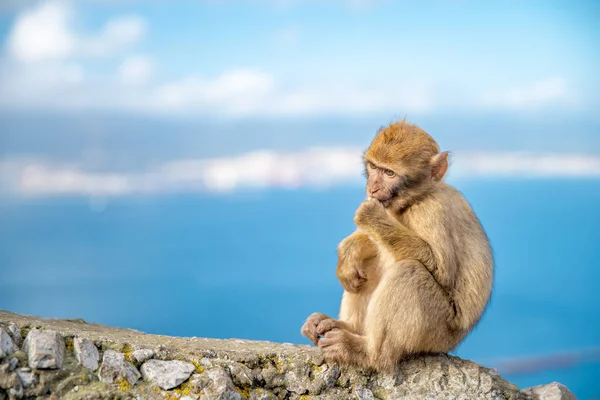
(341, 346)
(309, 329)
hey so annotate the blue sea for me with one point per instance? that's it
(255, 264)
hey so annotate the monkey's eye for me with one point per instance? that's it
(371, 165)
(389, 172)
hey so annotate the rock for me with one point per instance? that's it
(229, 369)
(16, 392)
(45, 349)
(28, 378)
(15, 333)
(297, 378)
(115, 368)
(8, 379)
(324, 377)
(551, 391)
(167, 374)
(262, 394)
(241, 375)
(86, 353)
(139, 356)
(362, 393)
(221, 387)
(7, 345)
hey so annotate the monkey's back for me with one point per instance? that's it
(448, 223)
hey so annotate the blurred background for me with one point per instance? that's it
(188, 168)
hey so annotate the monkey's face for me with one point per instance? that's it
(401, 164)
(383, 184)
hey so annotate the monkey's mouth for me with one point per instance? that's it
(383, 198)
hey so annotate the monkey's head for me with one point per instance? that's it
(402, 163)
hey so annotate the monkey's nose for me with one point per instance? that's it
(373, 191)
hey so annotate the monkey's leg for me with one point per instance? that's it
(408, 313)
(342, 341)
(352, 314)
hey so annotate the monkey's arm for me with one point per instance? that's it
(353, 252)
(402, 243)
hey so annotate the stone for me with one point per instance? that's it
(28, 378)
(45, 349)
(262, 394)
(363, 393)
(15, 333)
(139, 356)
(221, 387)
(241, 375)
(167, 374)
(551, 391)
(86, 353)
(324, 377)
(115, 368)
(16, 393)
(272, 378)
(297, 378)
(7, 345)
(235, 369)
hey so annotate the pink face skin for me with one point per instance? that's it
(382, 183)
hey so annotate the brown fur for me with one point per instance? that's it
(418, 271)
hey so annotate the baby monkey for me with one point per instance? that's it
(418, 272)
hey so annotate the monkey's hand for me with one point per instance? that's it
(309, 329)
(371, 214)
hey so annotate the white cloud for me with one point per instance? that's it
(45, 32)
(136, 70)
(252, 92)
(236, 91)
(42, 33)
(526, 165)
(117, 34)
(545, 92)
(318, 167)
(49, 68)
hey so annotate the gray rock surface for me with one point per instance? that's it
(15, 333)
(7, 345)
(551, 391)
(86, 353)
(142, 355)
(167, 374)
(45, 349)
(229, 369)
(28, 378)
(115, 368)
(262, 394)
(12, 363)
(221, 386)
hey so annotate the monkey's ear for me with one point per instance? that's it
(439, 164)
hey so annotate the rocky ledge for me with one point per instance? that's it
(72, 359)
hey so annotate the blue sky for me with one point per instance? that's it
(486, 76)
(301, 57)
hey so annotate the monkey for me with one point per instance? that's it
(418, 271)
